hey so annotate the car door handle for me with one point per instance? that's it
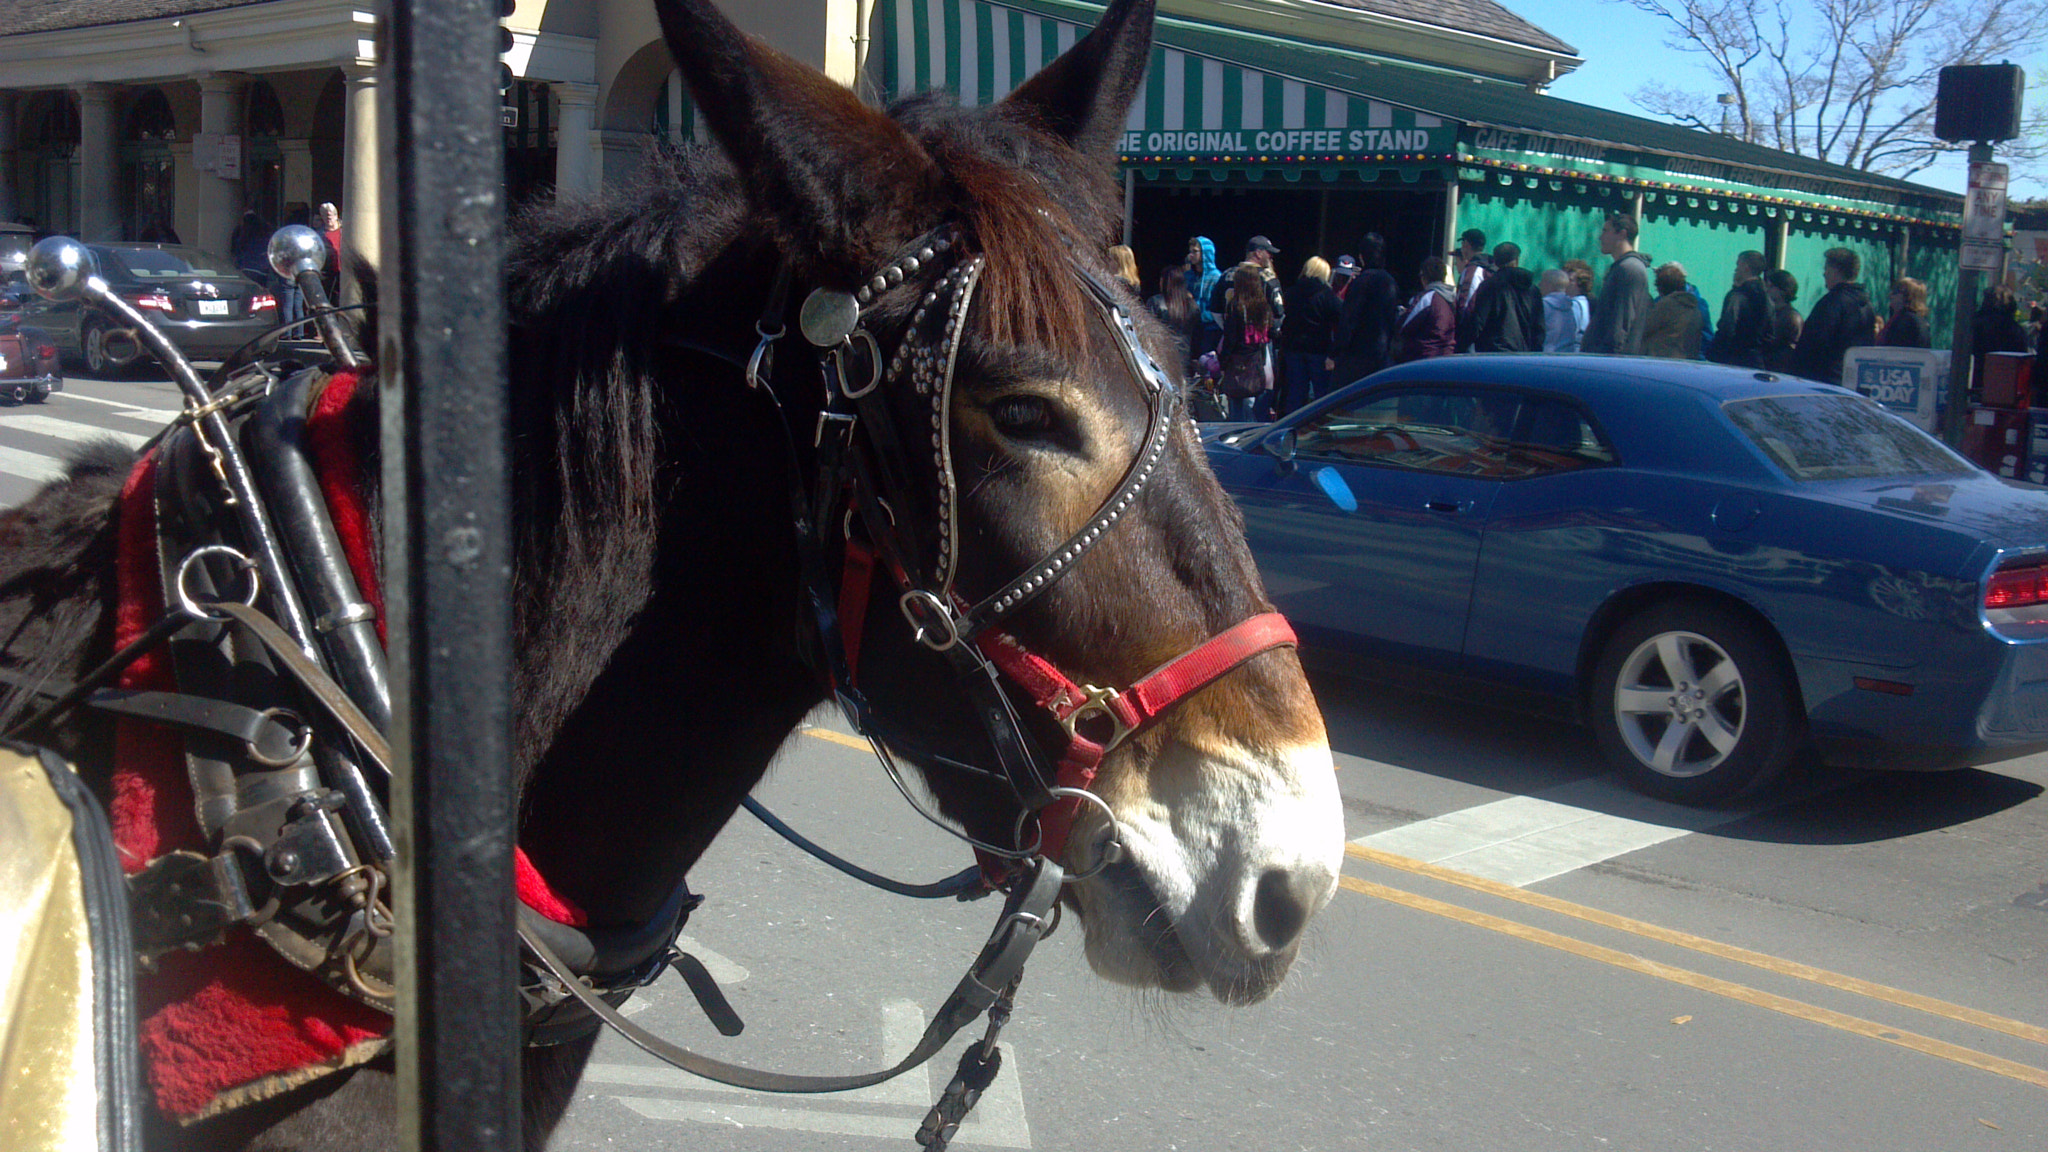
(1447, 506)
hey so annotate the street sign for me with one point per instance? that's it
(1984, 218)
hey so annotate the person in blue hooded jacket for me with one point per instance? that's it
(1203, 276)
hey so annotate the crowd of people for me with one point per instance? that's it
(1264, 350)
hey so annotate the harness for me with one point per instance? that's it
(284, 707)
(857, 436)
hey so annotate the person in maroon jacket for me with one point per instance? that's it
(1429, 325)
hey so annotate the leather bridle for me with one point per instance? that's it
(858, 431)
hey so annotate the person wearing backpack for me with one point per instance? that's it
(1246, 350)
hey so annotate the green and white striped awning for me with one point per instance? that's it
(1195, 108)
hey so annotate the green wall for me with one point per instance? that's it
(1551, 227)
(1931, 261)
(1805, 249)
(1705, 242)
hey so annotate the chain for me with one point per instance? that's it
(377, 923)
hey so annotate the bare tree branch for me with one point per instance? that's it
(1848, 81)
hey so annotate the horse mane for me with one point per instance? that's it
(1032, 204)
(601, 294)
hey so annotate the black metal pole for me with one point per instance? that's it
(1961, 354)
(447, 547)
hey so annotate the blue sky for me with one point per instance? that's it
(1622, 46)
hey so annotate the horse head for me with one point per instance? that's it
(974, 242)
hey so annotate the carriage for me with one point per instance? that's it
(851, 409)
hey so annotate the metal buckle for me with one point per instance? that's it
(874, 352)
(843, 420)
(762, 363)
(931, 622)
(1097, 702)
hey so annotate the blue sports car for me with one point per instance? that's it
(1712, 567)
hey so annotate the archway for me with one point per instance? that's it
(149, 182)
(47, 189)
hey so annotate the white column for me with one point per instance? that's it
(623, 155)
(576, 105)
(217, 205)
(98, 216)
(359, 216)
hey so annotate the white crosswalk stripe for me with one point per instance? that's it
(33, 467)
(35, 439)
(153, 415)
(69, 429)
(1524, 839)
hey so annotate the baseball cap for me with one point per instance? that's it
(1258, 242)
(1347, 266)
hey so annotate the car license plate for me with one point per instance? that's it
(213, 307)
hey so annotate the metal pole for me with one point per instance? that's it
(441, 350)
(1969, 284)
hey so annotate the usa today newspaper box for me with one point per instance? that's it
(1910, 381)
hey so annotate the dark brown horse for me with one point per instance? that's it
(662, 632)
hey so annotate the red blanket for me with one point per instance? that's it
(233, 1024)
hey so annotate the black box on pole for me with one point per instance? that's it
(1979, 102)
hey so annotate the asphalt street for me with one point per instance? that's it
(1523, 955)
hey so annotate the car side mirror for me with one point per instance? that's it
(1281, 446)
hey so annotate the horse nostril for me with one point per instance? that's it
(1281, 907)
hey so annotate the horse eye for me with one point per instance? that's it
(1023, 416)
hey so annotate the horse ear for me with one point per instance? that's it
(1085, 95)
(843, 180)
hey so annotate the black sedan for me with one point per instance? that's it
(197, 298)
(1712, 567)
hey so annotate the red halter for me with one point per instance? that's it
(1126, 711)
(970, 633)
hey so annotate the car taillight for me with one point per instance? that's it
(2017, 587)
(262, 300)
(46, 351)
(159, 301)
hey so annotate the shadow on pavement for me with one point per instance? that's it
(1472, 741)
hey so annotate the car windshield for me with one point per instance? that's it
(1830, 437)
(172, 263)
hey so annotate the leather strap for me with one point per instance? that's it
(261, 731)
(1024, 922)
(1129, 711)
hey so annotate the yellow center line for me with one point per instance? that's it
(1710, 984)
(1775, 964)
(831, 737)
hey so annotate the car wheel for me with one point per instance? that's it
(93, 338)
(1690, 702)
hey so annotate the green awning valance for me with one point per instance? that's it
(1535, 156)
(1195, 108)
